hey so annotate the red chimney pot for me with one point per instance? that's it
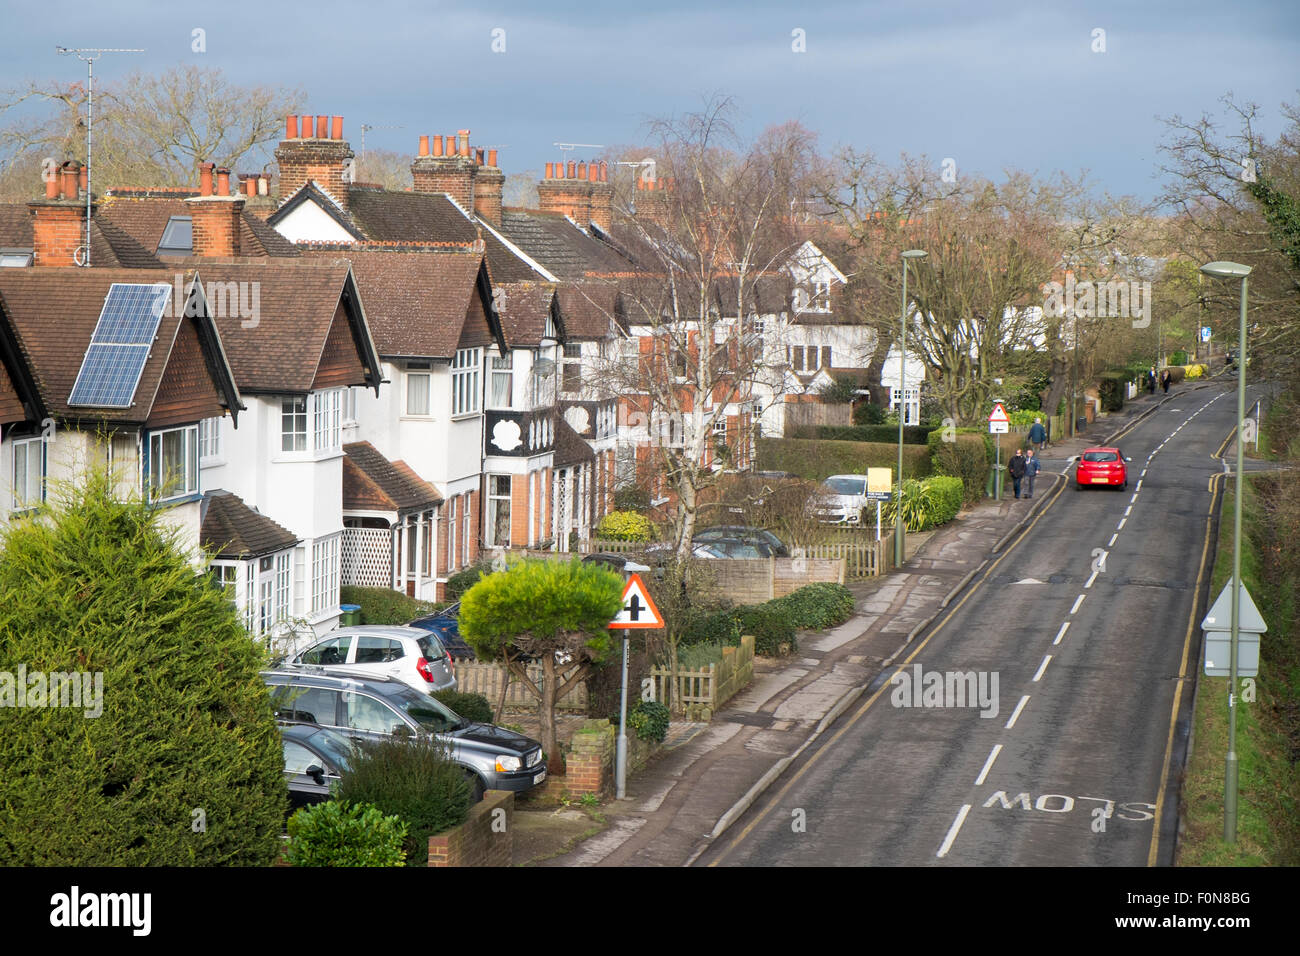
(205, 178)
(291, 127)
(603, 169)
(573, 170)
(550, 170)
(424, 146)
(336, 131)
(52, 186)
(492, 157)
(223, 181)
(451, 145)
(437, 146)
(322, 126)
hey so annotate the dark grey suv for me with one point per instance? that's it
(495, 758)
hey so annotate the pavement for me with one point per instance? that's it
(709, 774)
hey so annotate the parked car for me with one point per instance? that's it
(756, 536)
(1101, 466)
(841, 500)
(375, 709)
(409, 654)
(617, 562)
(315, 759)
(731, 548)
(446, 625)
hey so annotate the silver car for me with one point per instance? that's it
(413, 656)
(841, 500)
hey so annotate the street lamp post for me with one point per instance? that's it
(899, 540)
(1234, 270)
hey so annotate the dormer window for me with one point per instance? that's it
(15, 258)
(177, 238)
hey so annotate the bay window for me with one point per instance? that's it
(174, 462)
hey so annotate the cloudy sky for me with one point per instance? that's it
(990, 85)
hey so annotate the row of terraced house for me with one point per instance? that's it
(345, 384)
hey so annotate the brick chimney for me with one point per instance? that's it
(215, 215)
(489, 185)
(566, 191)
(450, 169)
(602, 195)
(652, 200)
(314, 152)
(59, 220)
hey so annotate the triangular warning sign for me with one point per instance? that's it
(999, 414)
(1220, 616)
(638, 609)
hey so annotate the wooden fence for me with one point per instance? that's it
(863, 557)
(478, 677)
(711, 686)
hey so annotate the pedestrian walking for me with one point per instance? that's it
(1166, 379)
(1037, 434)
(1151, 380)
(1016, 468)
(1032, 468)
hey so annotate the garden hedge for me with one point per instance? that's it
(816, 459)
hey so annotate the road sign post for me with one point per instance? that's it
(999, 424)
(638, 611)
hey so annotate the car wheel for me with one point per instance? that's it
(476, 786)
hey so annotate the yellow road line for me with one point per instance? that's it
(1153, 854)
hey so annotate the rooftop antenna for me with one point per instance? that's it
(89, 55)
(366, 127)
(568, 146)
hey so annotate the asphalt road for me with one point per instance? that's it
(1078, 645)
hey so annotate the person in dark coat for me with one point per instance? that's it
(1032, 468)
(1166, 379)
(1016, 469)
(1151, 380)
(1037, 434)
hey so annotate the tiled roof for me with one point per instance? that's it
(560, 246)
(524, 307)
(570, 449)
(415, 302)
(588, 308)
(281, 351)
(231, 529)
(53, 313)
(15, 226)
(373, 483)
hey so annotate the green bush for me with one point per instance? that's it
(1178, 358)
(912, 434)
(711, 627)
(624, 526)
(966, 457)
(816, 459)
(414, 780)
(1111, 386)
(386, 606)
(817, 606)
(464, 579)
(173, 724)
(1023, 416)
(649, 719)
(771, 627)
(699, 656)
(868, 413)
(927, 504)
(336, 833)
(473, 707)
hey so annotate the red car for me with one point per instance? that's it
(1102, 466)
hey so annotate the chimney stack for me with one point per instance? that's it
(453, 172)
(322, 158)
(489, 185)
(59, 220)
(216, 215)
(576, 193)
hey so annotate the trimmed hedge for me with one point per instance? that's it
(473, 707)
(967, 457)
(818, 606)
(386, 606)
(816, 459)
(1110, 387)
(884, 434)
(338, 833)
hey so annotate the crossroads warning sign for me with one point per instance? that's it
(638, 609)
(999, 423)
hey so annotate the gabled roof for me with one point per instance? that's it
(133, 224)
(230, 529)
(417, 301)
(280, 350)
(560, 246)
(20, 400)
(524, 308)
(590, 308)
(373, 483)
(54, 311)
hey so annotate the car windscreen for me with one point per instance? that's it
(429, 713)
(847, 486)
(1100, 456)
(334, 746)
(430, 647)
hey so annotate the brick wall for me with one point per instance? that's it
(319, 160)
(58, 229)
(590, 762)
(216, 225)
(486, 838)
(453, 175)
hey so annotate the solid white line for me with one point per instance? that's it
(1041, 667)
(1120, 526)
(988, 764)
(1061, 633)
(1077, 602)
(1113, 538)
(1128, 511)
(953, 830)
(1092, 577)
(1016, 713)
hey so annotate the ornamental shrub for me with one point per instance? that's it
(464, 579)
(624, 526)
(771, 626)
(944, 497)
(965, 457)
(473, 707)
(649, 719)
(386, 606)
(414, 780)
(337, 833)
(174, 725)
(817, 606)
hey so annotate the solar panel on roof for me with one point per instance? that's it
(119, 347)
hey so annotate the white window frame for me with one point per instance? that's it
(494, 502)
(503, 367)
(416, 373)
(295, 439)
(324, 574)
(327, 420)
(209, 439)
(23, 493)
(283, 584)
(465, 371)
(189, 484)
(465, 535)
